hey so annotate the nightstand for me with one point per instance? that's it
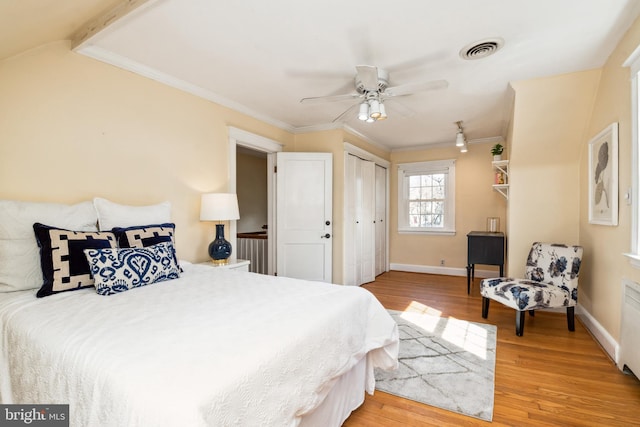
(233, 264)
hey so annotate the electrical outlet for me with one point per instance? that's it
(441, 262)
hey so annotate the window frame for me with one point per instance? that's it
(405, 170)
(633, 62)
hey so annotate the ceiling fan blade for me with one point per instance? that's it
(395, 107)
(330, 98)
(409, 88)
(368, 75)
(345, 114)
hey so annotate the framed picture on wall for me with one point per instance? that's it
(603, 177)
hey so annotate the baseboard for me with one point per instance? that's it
(599, 333)
(447, 271)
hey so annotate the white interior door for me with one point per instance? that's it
(304, 223)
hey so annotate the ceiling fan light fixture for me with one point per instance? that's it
(383, 112)
(374, 109)
(464, 148)
(363, 114)
(460, 141)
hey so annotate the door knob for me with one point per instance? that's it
(326, 236)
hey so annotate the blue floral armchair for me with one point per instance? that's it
(551, 281)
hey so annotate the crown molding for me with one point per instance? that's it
(135, 67)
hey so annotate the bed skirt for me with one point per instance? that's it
(345, 396)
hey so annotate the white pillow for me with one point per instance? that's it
(19, 253)
(114, 215)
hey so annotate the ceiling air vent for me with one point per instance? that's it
(481, 49)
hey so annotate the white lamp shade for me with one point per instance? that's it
(219, 207)
(460, 139)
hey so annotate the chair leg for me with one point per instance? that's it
(532, 313)
(571, 319)
(485, 307)
(519, 323)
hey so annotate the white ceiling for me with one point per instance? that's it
(261, 57)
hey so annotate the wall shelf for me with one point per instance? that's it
(501, 177)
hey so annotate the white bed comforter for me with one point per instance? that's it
(215, 347)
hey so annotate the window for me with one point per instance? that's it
(426, 197)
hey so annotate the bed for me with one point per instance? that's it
(210, 347)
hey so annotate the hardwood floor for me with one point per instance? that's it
(548, 377)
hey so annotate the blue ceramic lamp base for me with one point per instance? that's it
(220, 249)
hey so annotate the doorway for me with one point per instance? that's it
(253, 226)
(254, 149)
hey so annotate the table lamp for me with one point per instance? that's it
(219, 207)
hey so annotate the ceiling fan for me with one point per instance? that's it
(372, 90)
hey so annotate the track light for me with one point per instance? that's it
(461, 140)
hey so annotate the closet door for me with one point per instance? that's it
(349, 256)
(366, 230)
(359, 230)
(380, 218)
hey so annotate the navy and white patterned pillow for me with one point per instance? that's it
(120, 269)
(141, 236)
(64, 265)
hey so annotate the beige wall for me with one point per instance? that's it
(549, 125)
(560, 115)
(72, 128)
(475, 201)
(605, 266)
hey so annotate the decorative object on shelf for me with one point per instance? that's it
(501, 177)
(497, 150)
(219, 207)
(493, 224)
(603, 177)
(461, 140)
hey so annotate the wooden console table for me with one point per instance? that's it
(484, 247)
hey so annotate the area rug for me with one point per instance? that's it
(444, 362)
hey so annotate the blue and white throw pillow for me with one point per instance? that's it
(64, 265)
(120, 269)
(141, 236)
